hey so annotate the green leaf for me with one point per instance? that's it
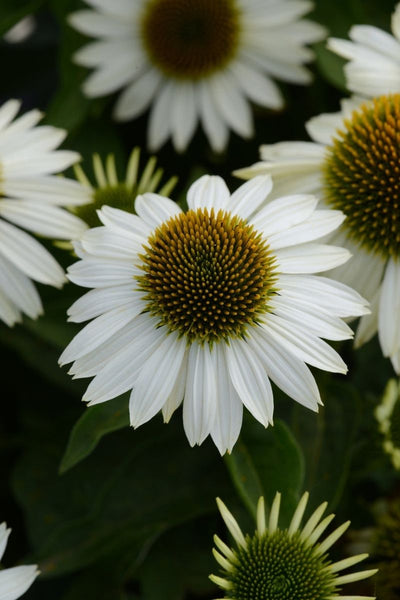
(95, 422)
(114, 505)
(182, 560)
(264, 462)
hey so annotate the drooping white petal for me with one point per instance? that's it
(321, 293)
(15, 581)
(199, 405)
(98, 331)
(184, 115)
(389, 309)
(19, 289)
(98, 301)
(43, 219)
(135, 99)
(213, 124)
(29, 256)
(177, 393)
(229, 410)
(368, 324)
(301, 343)
(150, 393)
(160, 117)
(231, 104)
(250, 380)
(289, 373)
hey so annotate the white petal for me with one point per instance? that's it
(249, 196)
(307, 347)
(184, 115)
(14, 582)
(177, 393)
(368, 324)
(310, 258)
(250, 380)
(43, 219)
(210, 191)
(19, 289)
(199, 405)
(288, 372)
(213, 123)
(135, 99)
(4, 532)
(98, 331)
(9, 313)
(47, 188)
(156, 379)
(322, 293)
(120, 220)
(229, 409)
(317, 322)
(257, 86)
(159, 128)
(282, 213)
(320, 223)
(95, 24)
(101, 242)
(29, 256)
(324, 127)
(98, 301)
(117, 361)
(389, 309)
(101, 272)
(231, 104)
(155, 209)
(8, 111)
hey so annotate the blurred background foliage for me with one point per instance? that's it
(109, 512)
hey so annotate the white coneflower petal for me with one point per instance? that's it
(14, 582)
(32, 197)
(188, 307)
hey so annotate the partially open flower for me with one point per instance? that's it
(110, 190)
(284, 564)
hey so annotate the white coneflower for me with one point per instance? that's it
(14, 582)
(195, 61)
(284, 564)
(206, 306)
(353, 165)
(374, 54)
(111, 191)
(31, 197)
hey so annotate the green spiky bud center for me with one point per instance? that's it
(280, 566)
